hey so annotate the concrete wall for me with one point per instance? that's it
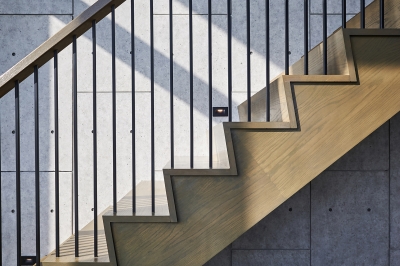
(348, 215)
(26, 24)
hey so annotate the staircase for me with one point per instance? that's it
(315, 120)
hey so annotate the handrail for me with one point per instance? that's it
(59, 41)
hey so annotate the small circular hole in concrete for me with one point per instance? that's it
(13, 54)
(369, 209)
(12, 211)
(290, 209)
(330, 209)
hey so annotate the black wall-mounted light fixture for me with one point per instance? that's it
(220, 111)
(28, 260)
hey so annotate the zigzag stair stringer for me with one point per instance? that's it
(267, 162)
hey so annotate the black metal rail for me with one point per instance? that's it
(18, 172)
(248, 36)
(56, 154)
(133, 73)
(114, 108)
(75, 142)
(37, 154)
(325, 36)
(95, 210)
(153, 200)
(210, 87)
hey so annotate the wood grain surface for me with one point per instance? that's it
(268, 165)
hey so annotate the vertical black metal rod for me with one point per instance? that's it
(382, 13)
(133, 68)
(229, 12)
(18, 172)
(210, 86)
(325, 36)
(248, 61)
(114, 109)
(57, 154)
(362, 14)
(286, 37)
(191, 81)
(37, 181)
(344, 13)
(305, 37)
(75, 140)
(171, 81)
(268, 64)
(1, 222)
(153, 203)
(95, 211)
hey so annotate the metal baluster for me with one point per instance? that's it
(210, 129)
(18, 172)
(37, 180)
(57, 154)
(382, 13)
(191, 81)
(133, 69)
(95, 211)
(286, 37)
(305, 37)
(75, 140)
(114, 110)
(344, 12)
(1, 222)
(229, 10)
(153, 204)
(171, 81)
(248, 61)
(268, 64)
(362, 14)
(325, 33)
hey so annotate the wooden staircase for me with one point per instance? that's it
(316, 120)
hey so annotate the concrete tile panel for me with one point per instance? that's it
(394, 257)
(394, 182)
(316, 29)
(54, 7)
(258, 42)
(104, 152)
(122, 50)
(9, 218)
(287, 227)
(370, 154)
(7, 129)
(21, 35)
(47, 217)
(223, 258)
(82, 5)
(39, 29)
(349, 218)
(182, 7)
(270, 257)
(335, 6)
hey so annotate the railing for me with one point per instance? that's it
(88, 20)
